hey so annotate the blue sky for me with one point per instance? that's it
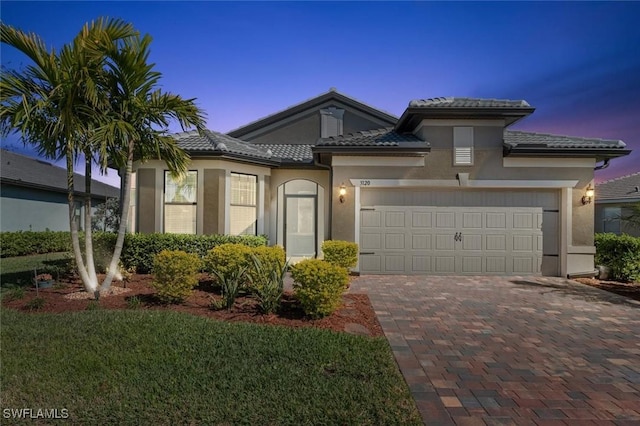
(576, 62)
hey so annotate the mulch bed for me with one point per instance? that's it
(355, 316)
(630, 290)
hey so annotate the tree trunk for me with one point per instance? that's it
(89, 285)
(88, 231)
(124, 217)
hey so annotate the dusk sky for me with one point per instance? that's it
(577, 63)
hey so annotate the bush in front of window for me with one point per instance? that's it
(340, 253)
(621, 253)
(175, 275)
(224, 260)
(319, 286)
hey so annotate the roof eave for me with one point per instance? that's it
(295, 109)
(600, 153)
(375, 150)
(235, 156)
(413, 115)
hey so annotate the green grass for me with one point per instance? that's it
(19, 270)
(143, 367)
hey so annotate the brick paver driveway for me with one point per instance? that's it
(512, 350)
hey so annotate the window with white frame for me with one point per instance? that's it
(243, 212)
(180, 203)
(463, 146)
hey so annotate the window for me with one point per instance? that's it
(331, 122)
(612, 216)
(180, 203)
(243, 206)
(463, 146)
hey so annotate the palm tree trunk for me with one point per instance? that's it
(88, 231)
(89, 285)
(124, 216)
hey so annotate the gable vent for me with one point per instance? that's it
(463, 156)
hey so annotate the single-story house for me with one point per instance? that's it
(446, 188)
(33, 194)
(613, 203)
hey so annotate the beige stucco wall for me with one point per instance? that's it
(211, 196)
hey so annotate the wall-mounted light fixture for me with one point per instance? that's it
(588, 195)
(343, 192)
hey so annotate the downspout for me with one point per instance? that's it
(604, 165)
(316, 162)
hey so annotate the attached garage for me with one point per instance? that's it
(461, 231)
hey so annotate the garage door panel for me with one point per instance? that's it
(522, 243)
(524, 221)
(472, 265)
(472, 220)
(369, 218)
(421, 242)
(395, 219)
(445, 242)
(472, 242)
(394, 242)
(371, 263)
(496, 265)
(496, 242)
(370, 242)
(496, 220)
(445, 264)
(445, 220)
(421, 264)
(421, 219)
(523, 265)
(394, 263)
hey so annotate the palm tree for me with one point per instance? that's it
(97, 97)
(136, 123)
(53, 103)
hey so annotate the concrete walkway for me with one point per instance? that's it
(511, 350)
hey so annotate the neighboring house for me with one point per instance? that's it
(444, 189)
(33, 194)
(613, 200)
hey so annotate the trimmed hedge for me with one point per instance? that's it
(175, 274)
(319, 286)
(24, 243)
(621, 253)
(340, 253)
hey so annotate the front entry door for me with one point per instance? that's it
(300, 226)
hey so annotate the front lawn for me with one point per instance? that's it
(19, 270)
(142, 367)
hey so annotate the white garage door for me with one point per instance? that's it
(451, 240)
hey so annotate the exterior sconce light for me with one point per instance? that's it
(588, 195)
(343, 192)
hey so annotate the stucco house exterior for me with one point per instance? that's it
(33, 194)
(446, 188)
(613, 201)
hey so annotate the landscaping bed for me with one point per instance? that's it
(355, 315)
(630, 290)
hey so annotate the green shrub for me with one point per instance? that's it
(340, 253)
(267, 280)
(230, 283)
(319, 286)
(139, 249)
(175, 274)
(621, 253)
(134, 302)
(35, 304)
(23, 243)
(13, 292)
(226, 259)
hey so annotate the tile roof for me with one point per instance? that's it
(454, 102)
(291, 152)
(27, 171)
(379, 137)
(220, 143)
(621, 188)
(516, 138)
